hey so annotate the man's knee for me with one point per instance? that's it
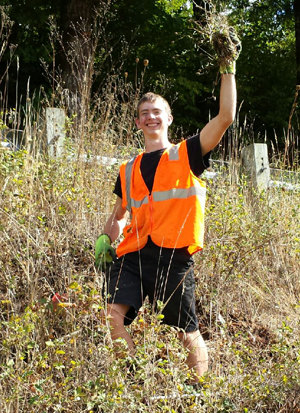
(115, 314)
(192, 339)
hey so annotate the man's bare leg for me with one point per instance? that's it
(116, 314)
(197, 359)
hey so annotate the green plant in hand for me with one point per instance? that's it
(104, 252)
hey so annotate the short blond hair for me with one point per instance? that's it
(152, 97)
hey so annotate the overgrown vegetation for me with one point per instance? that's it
(62, 361)
(58, 356)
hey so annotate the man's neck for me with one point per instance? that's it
(152, 145)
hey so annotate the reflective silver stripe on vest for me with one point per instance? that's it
(137, 204)
(176, 193)
(179, 193)
(173, 153)
(128, 173)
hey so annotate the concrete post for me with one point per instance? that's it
(256, 164)
(55, 126)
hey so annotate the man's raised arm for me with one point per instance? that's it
(212, 133)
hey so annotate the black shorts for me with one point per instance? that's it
(161, 274)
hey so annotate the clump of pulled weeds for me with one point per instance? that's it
(215, 35)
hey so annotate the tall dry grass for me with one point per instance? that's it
(51, 212)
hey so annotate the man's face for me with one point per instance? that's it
(154, 119)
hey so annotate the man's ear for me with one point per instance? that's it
(137, 122)
(170, 120)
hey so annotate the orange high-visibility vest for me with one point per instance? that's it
(173, 213)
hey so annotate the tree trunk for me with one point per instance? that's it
(297, 33)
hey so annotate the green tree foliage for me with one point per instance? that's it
(297, 35)
(161, 31)
(31, 35)
(267, 66)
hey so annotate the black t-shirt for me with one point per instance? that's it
(149, 162)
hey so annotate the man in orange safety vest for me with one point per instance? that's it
(162, 192)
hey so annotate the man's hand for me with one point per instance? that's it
(104, 252)
(227, 46)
